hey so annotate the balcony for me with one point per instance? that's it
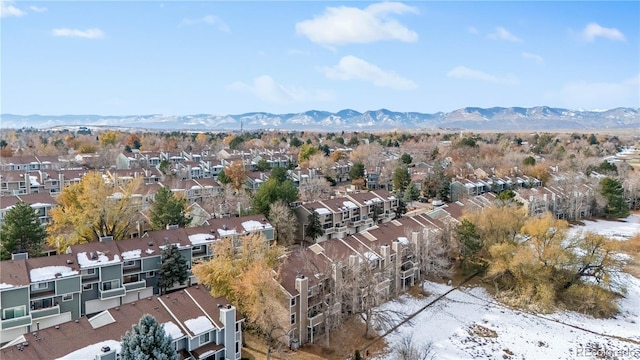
(340, 229)
(330, 230)
(131, 270)
(42, 312)
(316, 319)
(42, 294)
(135, 285)
(108, 294)
(16, 322)
(407, 273)
(383, 286)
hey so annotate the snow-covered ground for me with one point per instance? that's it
(469, 324)
(621, 229)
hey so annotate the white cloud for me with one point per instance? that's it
(536, 58)
(348, 25)
(93, 33)
(267, 89)
(209, 20)
(297, 52)
(599, 95)
(463, 72)
(503, 34)
(593, 30)
(37, 9)
(472, 30)
(7, 9)
(351, 67)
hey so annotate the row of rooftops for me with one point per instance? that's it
(365, 245)
(27, 271)
(186, 313)
(350, 201)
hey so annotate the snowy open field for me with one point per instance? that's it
(469, 324)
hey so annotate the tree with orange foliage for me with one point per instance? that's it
(91, 209)
(236, 173)
(133, 141)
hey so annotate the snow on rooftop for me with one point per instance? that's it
(50, 272)
(102, 319)
(403, 240)
(172, 330)
(90, 351)
(198, 239)
(132, 254)
(371, 256)
(322, 211)
(199, 325)
(255, 225)
(349, 205)
(33, 180)
(85, 260)
(227, 232)
(5, 286)
(39, 205)
(149, 251)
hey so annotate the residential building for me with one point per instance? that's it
(201, 327)
(91, 278)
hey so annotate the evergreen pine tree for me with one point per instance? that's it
(147, 340)
(314, 227)
(173, 269)
(168, 209)
(401, 209)
(21, 232)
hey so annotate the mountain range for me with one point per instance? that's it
(469, 118)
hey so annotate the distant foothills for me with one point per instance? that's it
(469, 118)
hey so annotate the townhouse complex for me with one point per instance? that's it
(365, 254)
(89, 279)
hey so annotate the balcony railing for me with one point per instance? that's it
(16, 322)
(315, 319)
(407, 273)
(54, 310)
(107, 294)
(383, 286)
(340, 229)
(135, 285)
(329, 230)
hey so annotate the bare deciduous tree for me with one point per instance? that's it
(364, 291)
(314, 189)
(408, 349)
(284, 222)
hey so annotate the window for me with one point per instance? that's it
(128, 263)
(13, 312)
(39, 286)
(293, 319)
(67, 297)
(91, 271)
(87, 287)
(237, 327)
(42, 304)
(108, 285)
(130, 278)
(237, 347)
(293, 301)
(151, 274)
(204, 338)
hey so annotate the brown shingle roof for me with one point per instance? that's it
(14, 272)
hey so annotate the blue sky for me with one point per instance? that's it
(181, 57)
